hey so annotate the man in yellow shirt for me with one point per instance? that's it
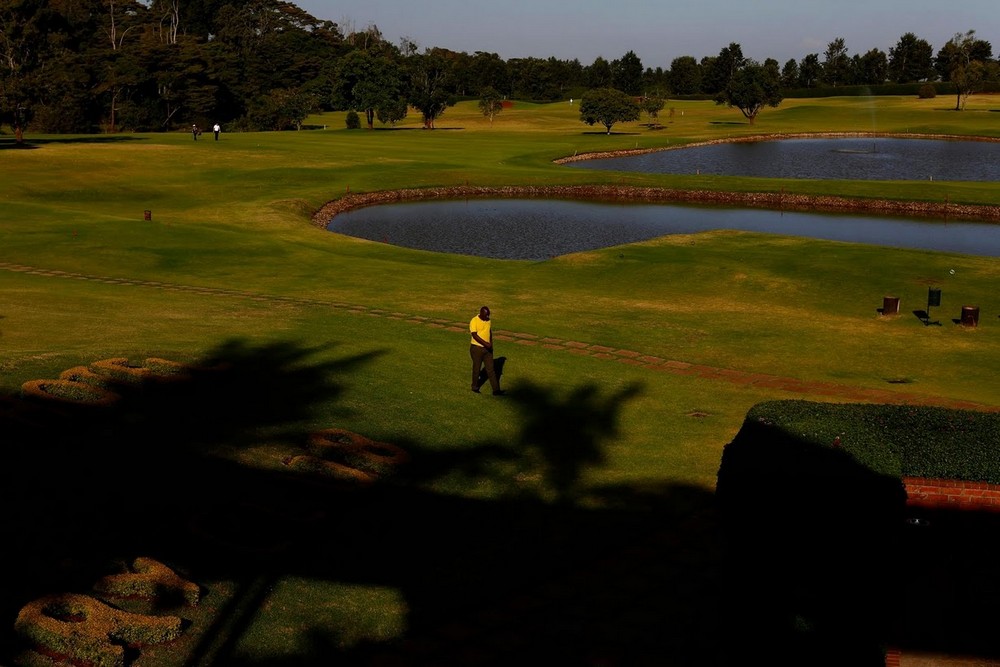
(481, 351)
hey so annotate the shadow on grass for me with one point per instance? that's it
(532, 565)
(9, 143)
(925, 317)
(827, 565)
(168, 472)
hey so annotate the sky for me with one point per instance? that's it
(660, 30)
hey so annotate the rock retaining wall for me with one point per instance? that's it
(617, 193)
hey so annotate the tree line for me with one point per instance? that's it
(130, 65)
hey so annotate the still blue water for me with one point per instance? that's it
(880, 159)
(542, 228)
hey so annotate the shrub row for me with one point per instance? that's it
(896, 440)
(348, 456)
(95, 384)
(88, 631)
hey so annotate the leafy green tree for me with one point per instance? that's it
(490, 103)
(488, 70)
(392, 111)
(962, 62)
(652, 105)
(752, 87)
(968, 79)
(809, 71)
(655, 79)
(718, 72)
(567, 75)
(366, 82)
(608, 106)
(872, 68)
(281, 109)
(369, 40)
(685, 76)
(598, 73)
(429, 93)
(910, 60)
(20, 35)
(771, 69)
(790, 74)
(626, 74)
(836, 63)
(121, 75)
(538, 79)
(458, 65)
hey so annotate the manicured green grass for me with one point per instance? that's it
(235, 215)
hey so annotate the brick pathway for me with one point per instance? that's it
(594, 350)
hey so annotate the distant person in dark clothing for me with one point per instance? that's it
(195, 132)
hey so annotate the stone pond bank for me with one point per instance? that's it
(638, 194)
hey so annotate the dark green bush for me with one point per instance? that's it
(897, 440)
(353, 120)
(927, 92)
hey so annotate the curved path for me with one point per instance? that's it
(581, 348)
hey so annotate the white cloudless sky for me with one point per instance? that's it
(660, 30)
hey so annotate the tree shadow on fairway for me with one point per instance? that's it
(9, 143)
(499, 552)
(171, 470)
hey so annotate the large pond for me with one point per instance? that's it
(881, 159)
(542, 228)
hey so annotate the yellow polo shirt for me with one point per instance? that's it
(481, 327)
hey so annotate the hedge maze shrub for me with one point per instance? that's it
(317, 466)
(119, 370)
(84, 629)
(95, 383)
(148, 578)
(85, 375)
(68, 391)
(357, 451)
(347, 456)
(78, 629)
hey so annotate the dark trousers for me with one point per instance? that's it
(482, 357)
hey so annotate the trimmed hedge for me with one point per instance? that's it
(149, 579)
(896, 440)
(88, 631)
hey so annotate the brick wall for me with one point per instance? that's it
(947, 493)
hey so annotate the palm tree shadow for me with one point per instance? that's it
(542, 564)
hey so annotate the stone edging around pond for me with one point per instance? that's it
(774, 137)
(617, 193)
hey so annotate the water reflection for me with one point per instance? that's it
(540, 229)
(879, 159)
